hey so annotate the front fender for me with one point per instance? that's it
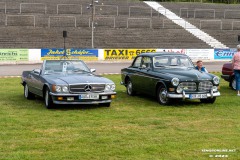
(158, 83)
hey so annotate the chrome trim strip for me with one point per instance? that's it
(91, 102)
(67, 94)
(156, 78)
(88, 83)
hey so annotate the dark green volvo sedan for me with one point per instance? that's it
(169, 76)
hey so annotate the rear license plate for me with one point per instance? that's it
(198, 96)
(88, 96)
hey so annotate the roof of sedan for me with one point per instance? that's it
(152, 54)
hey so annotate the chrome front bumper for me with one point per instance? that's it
(187, 96)
(68, 94)
(79, 101)
(89, 102)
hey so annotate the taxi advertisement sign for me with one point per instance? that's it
(124, 54)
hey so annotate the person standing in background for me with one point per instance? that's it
(236, 68)
(200, 66)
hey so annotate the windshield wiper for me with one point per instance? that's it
(160, 66)
(80, 70)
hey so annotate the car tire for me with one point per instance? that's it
(233, 83)
(162, 95)
(209, 100)
(48, 99)
(105, 104)
(130, 90)
(27, 93)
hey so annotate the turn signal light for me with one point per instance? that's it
(113, 96)
(60, 98)
(171, 89)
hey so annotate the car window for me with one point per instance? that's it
(146, 62)
(53, 66)
(137, 62)
(161, 61)
(185, 62)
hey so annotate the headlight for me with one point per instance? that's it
(175, 81)
(215, 88)
(58, 88)
(65, 89)
(113, 87)
(216, 80)
(110, 87)
(179, 89)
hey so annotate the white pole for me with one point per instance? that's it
(92, 24)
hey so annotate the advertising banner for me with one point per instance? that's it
(124, 54)
(13, 54)
(224, 53)
(83, 54)
(200, 54)
(182, 51)
(194, 54)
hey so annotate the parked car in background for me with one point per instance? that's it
(169, 76)
(67, 82)
(228, 75)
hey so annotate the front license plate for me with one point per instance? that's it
(198, 96)
(88, 96)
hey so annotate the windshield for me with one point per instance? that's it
(63, 66)
(168, 61)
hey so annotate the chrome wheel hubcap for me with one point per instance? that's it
(129, 88)
(26, 91)
(46, 98)
(163, 96)
(234, 84)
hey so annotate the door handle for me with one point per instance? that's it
(29, 76)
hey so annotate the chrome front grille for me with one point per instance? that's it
(205, 86)
(188, 86)
(78, 88)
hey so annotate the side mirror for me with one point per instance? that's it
(144, 66)
(37, 71)
(93, 70)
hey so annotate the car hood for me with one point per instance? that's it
(185, 74)
(76, 79)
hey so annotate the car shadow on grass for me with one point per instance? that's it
(40, 102)
(76, 107)
(174, 102)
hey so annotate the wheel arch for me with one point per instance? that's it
(45, 86)
(231, 80)
(127, 78)
(158, 84)
(23, 83)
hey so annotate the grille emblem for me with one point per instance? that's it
(88, 88)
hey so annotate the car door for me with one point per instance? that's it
(36, 82)
(146, 80)
(135, 72)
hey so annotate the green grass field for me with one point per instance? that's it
(132, 128)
